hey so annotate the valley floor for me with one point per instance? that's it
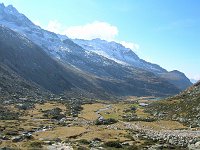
(100, 125)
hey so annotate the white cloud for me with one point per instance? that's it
(102, 30)
(54, 26)
(96, 29)
(37, 22)
(133, 46)
(193, 76)
(196, 77)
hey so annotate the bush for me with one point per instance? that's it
(84, 141)
(133, 147)
(36, 145)
(105, 121)
(82, 148)
(6, 114)
(115, 144)
(54, 114)
(25, 106)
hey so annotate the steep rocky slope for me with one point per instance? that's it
(184, 107)
(177, 78)
(30, 61)
(125, 56)
(13, 86)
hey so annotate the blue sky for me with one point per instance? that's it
(165, 32)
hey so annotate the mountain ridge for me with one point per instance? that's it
(127, 57)
(100, 69)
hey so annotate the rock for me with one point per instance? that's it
(58, 140)
(197, 144)
(6, 148)
(48, 142)
(17, 139)
(171, 147)
(165, 146)
(126, 144)
(192, 141)
(182, 120)
(194, 125)
(170, 141)
(4, 138)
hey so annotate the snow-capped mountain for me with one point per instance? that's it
(125, 56)
(110, 63)
(16, 21)
(54, 45)
(118, 53)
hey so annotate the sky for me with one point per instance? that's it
(165, 32)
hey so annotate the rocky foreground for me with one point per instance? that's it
(186, 139)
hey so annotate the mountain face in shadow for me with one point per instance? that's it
(59, 64)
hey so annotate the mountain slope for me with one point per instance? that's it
(13, 86)
(31, 62)
(127, 57)
(177, 78)
(76, 67)
(118, 53)
(184, 107)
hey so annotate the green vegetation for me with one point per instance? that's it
(36, 145)
(6, 114)
(115, 144)
(183, 107)
(55, 113)
(105, 121)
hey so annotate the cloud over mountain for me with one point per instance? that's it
(89, 31)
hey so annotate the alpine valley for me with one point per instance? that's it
(58, 93)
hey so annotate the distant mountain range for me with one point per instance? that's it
(59, 64)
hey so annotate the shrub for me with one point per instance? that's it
(54, 114)
(115, 144)
(105, 121)
(36, 145)
(84, 141)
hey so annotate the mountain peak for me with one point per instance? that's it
(10, 17)
(175, 71)
(99, 40)
(12, 9)
(178, 73)
(2, 5)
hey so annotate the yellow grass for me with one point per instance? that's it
(37, 111)
(32, 118)
(140, 113)
(162, 125)
(60, 132)
(116, 111)
(89, 111)
(105, 134)
(17, 146)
